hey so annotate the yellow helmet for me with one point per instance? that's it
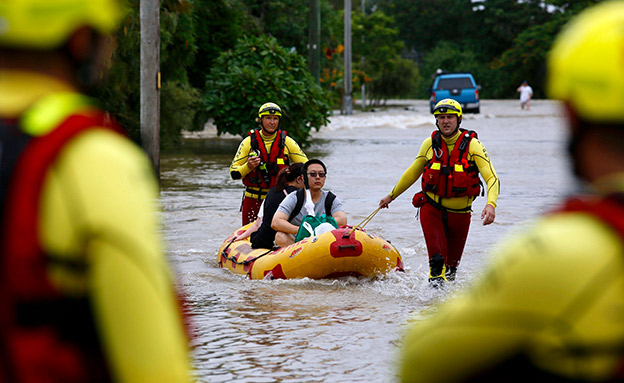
(47, 24)
(448, 106)
(269, 109)
(586, 64)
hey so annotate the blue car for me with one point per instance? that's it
(461, 87)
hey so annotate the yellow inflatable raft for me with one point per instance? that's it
(337, 253)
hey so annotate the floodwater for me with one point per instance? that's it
(347, 330)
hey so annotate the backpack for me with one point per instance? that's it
(329, 201)
(312, 225)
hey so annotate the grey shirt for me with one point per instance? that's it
(288, 205)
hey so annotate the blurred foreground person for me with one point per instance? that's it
(86, 294)
(550, 308)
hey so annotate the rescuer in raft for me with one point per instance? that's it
(261, 156)
(550, 306)
(450, 162)
(86, 293)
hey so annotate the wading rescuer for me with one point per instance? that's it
(261, 156)
(86, 294)
(550, 308)
(450, 162)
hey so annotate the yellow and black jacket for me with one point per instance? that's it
(86, 292)
(276, 151)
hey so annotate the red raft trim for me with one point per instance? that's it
(275, 273)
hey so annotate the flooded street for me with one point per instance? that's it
(346, 330)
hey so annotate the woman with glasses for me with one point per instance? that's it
(287, 219)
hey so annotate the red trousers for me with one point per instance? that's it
(450, 242)
(250, 209)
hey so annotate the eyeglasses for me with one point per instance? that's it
(314, 174)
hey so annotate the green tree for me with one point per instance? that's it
(256, 71)
(179, 100)
(397, 79)
(376, 39)
(496, 23)
(452, 57)
(423, 23)
(120, 94)
(525, 59)
(218, 25)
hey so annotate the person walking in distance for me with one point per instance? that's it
(549, 306)
(86, 294)
(261, 156)
(526, 93)
(450, 162)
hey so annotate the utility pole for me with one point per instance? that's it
(348, 77)
(150, 80)
(314, 46)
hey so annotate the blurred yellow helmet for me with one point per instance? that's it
(586, 64)
(269, 109)
(448, 106)
(47, 24)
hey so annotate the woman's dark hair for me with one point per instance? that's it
(287, 175)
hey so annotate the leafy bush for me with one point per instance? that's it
(397, 79)
(257, 71)
(120, 94)
(524, 60)
(452, 57)
(179, 102)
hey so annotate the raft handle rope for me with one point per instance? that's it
(244, 263)
(363, 223)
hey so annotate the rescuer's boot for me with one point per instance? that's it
(437, 270)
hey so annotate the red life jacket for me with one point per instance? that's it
(265, 175)
(45, 336)
(451, 175)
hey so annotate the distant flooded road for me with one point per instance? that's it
(347, 330)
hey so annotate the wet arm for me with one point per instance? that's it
(251, 229)
(412, 173)
(340, 217)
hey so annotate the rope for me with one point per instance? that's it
(244, 263)
(365, 221)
